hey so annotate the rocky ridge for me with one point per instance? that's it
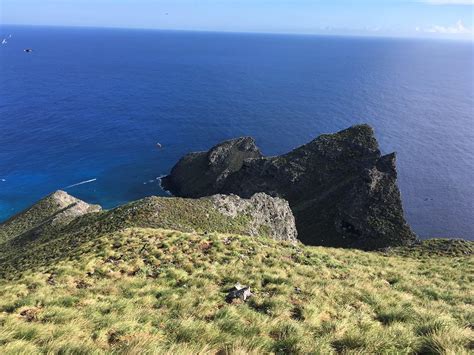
(56, 209)
(341, 189)
(61, 222)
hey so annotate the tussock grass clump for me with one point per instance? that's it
(159, 291)
(435, 247)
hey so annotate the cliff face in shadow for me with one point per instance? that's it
(342, 191)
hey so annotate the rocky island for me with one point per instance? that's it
(341, 189)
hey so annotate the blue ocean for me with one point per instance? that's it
(90, 105)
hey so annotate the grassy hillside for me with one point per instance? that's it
(57, 208)
(55, 235)
(144, 290)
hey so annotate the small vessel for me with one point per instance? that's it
(27, 50)
(158, 145)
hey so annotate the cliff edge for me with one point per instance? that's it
(342, 191)
(61, 223)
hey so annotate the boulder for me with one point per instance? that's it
(238, 292)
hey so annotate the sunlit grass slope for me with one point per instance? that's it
(159, 291)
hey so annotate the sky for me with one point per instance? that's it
(413, 18)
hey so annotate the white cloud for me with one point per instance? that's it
(458, 28)
(448, 2)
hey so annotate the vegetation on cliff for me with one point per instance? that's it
(153, 276)
(343, 192)
(57, 230)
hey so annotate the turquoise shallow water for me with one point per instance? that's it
(91, 104)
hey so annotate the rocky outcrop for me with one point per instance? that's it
(341, 190)
(55, 210)
(267, 216)
(59, 215)
(208, 171)
(63, 224)
(260, 215)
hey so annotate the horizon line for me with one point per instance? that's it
(250, 32)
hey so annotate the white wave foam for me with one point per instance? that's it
(161, 187)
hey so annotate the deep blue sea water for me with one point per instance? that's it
(92, 104)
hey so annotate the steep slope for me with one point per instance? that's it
(142, 290)
(59, 208)
(201, 172)
(342, 191)
(85, 281)
(63, 230)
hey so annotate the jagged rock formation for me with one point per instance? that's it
(269, 216)
(342, 191)
(260, 215)
(207, 171)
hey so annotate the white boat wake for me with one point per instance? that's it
(79, 183)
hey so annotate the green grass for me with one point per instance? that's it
(145, 290)
(29, 218)
(28, 246)
(435, 247)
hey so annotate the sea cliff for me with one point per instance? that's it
(341, 189)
